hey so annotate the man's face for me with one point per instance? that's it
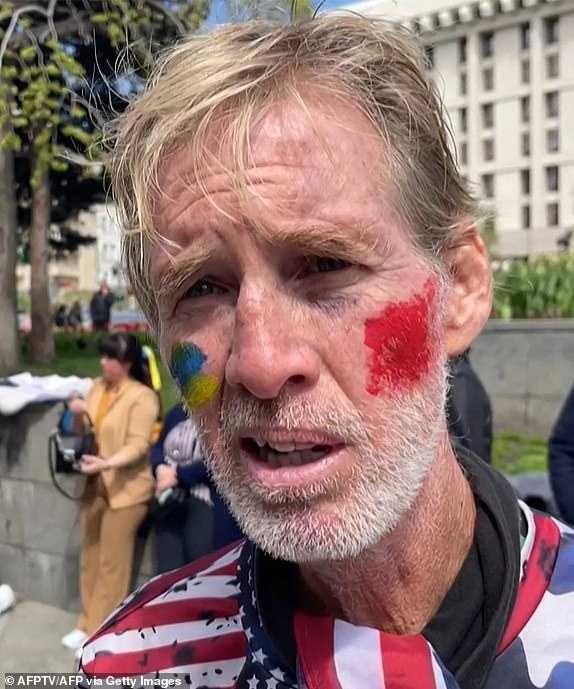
(314, 361)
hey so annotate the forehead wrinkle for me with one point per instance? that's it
(218, 183)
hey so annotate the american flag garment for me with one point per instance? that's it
(201, 623)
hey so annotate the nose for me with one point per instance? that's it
(270, 350)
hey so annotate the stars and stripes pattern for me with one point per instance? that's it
(184, 624)
(336, 655)
(201, 624)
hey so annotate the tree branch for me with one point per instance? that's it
(28, 9)
(176, 21)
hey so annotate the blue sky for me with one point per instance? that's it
(219, 14)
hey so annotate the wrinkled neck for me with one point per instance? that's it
(398, 584)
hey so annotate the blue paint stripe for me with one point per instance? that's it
(186, 362)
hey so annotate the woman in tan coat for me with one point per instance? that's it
(124, 410)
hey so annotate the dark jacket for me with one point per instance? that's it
(101, 307)
(225, 529)
(468, 409)
(561, 459)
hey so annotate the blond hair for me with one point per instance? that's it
(229, 77)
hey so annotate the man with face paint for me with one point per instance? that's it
(299, 235)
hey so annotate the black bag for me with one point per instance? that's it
(68, 447)
(171, 500)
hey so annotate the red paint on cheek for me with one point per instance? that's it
(400, 343)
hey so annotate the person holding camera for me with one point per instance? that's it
(183, 517)
(123, 408)
(191, 519)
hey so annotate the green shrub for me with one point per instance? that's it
(539, 288)
(515, 453)
(81, 344)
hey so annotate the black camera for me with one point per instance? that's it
(68, 447)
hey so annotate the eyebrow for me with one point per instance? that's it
(323, 241)
(180, 268)
(329, 241)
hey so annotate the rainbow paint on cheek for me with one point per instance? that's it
(197, 388)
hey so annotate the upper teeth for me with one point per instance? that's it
(283, 447)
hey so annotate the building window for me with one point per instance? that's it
(463, 153)
(487, 115)
(525, 109)
(488, 78)
(525, 217)
(525, 181)
(462, 51)
(552, 180)
(525, 36)
(551, 104)
(552, 66)
(487, 44)
(551, 26)
(462, 84)
(488, 186)
(525, 71)
(462, 120)
(525, 144)
(488, 149)
(552, 141)
(429, 56)
(552, 214)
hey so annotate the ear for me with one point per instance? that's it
(469, 297)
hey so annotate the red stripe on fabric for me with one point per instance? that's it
(315, 638)
(176, 612)
(534, 580)
(155, 588)
(407, 662)
(228, 647)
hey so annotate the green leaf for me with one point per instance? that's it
(6, 12)
(78, 134)
(59, 165)
(99, 18)
(52, 70)
(8, 72)
(28, 52)
(77, 112)
(11, 141)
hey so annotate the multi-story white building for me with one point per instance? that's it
(84, 269)
(505, 69)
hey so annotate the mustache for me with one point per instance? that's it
(291, 413)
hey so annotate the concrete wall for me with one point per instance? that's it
(527, 368)
(39, 528)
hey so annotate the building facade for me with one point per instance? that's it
(84, 269)
(504, 69)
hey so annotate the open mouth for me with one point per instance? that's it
(285, 454)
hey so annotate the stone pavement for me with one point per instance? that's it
(30, 636)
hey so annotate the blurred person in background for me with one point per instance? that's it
(469, 411)
(561, 459)
(61, 316)
(191, 519)
(123, 408)
(101, 307)
(75, 317)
